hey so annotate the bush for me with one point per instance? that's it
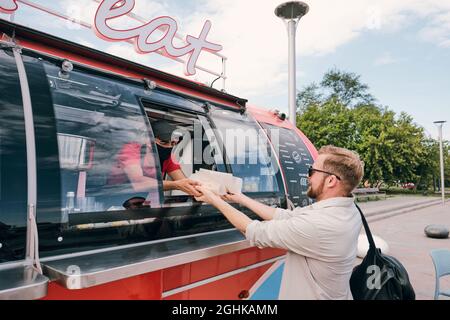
(396, 190)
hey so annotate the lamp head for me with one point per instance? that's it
(291, 10)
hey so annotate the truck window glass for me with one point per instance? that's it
(103, 143)
(106, 141)
(247, 150)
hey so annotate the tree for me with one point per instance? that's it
(393, 148)
(409, 149)
(374, 144)
(447, 166)
(329, 123)
(429, 165)
(347, 88)
(309, 96)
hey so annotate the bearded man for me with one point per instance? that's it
(321, 239)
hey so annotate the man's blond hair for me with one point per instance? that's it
(344, 163)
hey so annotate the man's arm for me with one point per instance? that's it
(236, 218)
(265, 212)
(298, 235)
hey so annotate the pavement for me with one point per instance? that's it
(405, 236)
(392, 206)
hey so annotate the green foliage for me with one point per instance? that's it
(394, 149)
(329, 123)
(346, 88)
(310, 96)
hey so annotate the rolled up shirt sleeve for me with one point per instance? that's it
(170, 165)
(296, 234)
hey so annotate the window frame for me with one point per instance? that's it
(165, 109)
(281, 192)
(21, 231)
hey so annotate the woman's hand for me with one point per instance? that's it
(207, 196)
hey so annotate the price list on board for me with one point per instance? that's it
(295, 160)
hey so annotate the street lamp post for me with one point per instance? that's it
(291, 12)
(439, 125)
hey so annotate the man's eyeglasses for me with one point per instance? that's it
(311, 171)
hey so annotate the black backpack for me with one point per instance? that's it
(379, 276)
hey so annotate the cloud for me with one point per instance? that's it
(255, 40)
(85, 10)
(125, 50)
(438, 31)
(385, 59)
(81, 10)
(85, 43)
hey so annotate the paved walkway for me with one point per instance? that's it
(408, 243)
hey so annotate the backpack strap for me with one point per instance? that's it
(367, 229)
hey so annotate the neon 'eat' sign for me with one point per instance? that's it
(8, 6)
(113, 9)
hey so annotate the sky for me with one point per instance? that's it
(400, 48)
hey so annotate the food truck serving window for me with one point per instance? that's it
(13, 163)
(98, 131)
(248, 151)
(192, 149)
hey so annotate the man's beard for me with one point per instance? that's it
(314, 193)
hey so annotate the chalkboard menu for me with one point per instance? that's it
(295, 160)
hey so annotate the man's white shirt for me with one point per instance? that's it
(321, 240)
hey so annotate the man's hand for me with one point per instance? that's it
(188, 186)
(207, 196)
(234, 197)
(237, 218)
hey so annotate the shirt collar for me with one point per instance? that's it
(335, 202)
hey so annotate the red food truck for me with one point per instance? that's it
(66, 111)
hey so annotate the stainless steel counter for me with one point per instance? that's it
(22, 283)
(89, 270)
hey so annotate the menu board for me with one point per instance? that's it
(295, 160)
